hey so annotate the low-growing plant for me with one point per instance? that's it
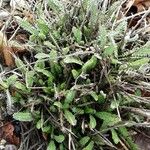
(79, 79)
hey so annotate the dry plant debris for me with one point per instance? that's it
(7, 133)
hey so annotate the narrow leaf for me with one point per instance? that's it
(115, 136)
(70, 117)
(71, 60)
(89, 146)
(92, 123)
(42, 56)
(70, 96)
(84, 140)
(77, 34)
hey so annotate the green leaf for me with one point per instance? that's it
(39, 64)
(102, 36)
(56, 5)
(70, 96)
(59, 138)
(12, 79)
(142, 51)
(42, 25)
(121, 27)
(92, 123)
(51, 145)
(39, 124)
(93, 9)
(75, 73)
(27, 26)
(90, 64)
(139, 62)
(84, 140)
(109, 119)
(111, 50)
(46, 129)
(55, 66)
(58, 104)
(42, 56)
(49, 45)
(20, 86)
(94, 95)
(45, 72)
(23, 116)
(30, 78)
(115, 136)
(89, 146)
(124, 133)
(78, 110)
(21, 66)
(3, 84)
(70, 60)
(115, 61)
(77, 34)
(61, 147)
(114, 104)
(70, 117)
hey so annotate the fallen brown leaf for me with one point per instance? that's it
(8, 134)
(7, 53)
(9, 48)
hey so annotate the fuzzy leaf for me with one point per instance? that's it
(115, 136)
(42, 56)
(84, 140)
(94, 95)
(70, 96)
(73, 60)
(70, 117)
(30, 78)
(102, 36)
(90, 64)
(23, 116)
(92, 123)
(58, 104)
(109, 119)
(77, 34)
(21, 66)
(59, 138)
(89, 146)
(51, 145)
(27, 26)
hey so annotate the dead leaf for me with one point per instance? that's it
(29, 16)
(9, 48)
(22, 38)
(140, 5)
(17, 47)
(8, 134)
(7, 54)
(45, 136)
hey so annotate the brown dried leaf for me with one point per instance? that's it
(22, 38)
(7, 54)
(17, 47)
(29, 16)
(141, 5)
(8, 134)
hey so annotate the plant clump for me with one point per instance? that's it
(83, 81)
